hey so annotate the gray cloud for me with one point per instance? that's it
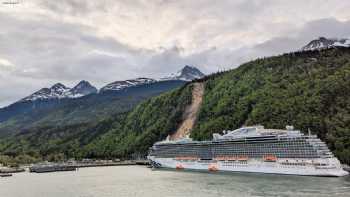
(74, 7)
(103, 41)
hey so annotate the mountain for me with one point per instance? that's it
(60, 91)
(83, 88)
(323, 43)
(89, 109)
(56, 91)
(61, 105)
(187, 73)
(307, 89)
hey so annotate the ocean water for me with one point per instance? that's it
(140, 181)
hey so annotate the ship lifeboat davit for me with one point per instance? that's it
(270, 158)
(213, 167)
(179, 167)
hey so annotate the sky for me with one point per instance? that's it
(43, 42)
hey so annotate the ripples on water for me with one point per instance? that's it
(138, 181)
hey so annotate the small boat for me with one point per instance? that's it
(213, 168)
(179, 167)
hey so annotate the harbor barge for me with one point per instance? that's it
(51, 168)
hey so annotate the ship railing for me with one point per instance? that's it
(186, 158)
(242, 158)
(225, 158)
(231, 158)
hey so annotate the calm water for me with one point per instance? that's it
(142, 182)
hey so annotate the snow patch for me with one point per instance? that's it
(120, 85)
(187, 73)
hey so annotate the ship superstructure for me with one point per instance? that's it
(250, 149)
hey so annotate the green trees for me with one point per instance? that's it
(149, 122)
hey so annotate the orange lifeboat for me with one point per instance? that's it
(179, 167)
(270, 158)
(213, 168)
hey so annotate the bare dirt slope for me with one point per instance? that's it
(190, 115)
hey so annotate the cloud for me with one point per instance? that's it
(4, 63)
(44, 42)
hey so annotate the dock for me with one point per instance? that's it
(102, 164)
(72, 166)
(5, 175)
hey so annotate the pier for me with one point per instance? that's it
(11, 170)
(72, 166)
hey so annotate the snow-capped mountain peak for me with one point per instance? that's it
(187, 73)
(59, 88)
(81, 89)
(120, 85)
(323, 43)
(59, 91)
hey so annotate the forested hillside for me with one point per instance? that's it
(310, 90)
(121, 135)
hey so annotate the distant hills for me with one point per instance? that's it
(61, 105)
(83, 88)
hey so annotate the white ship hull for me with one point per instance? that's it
(257, 166)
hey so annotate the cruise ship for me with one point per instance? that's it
(250, 149)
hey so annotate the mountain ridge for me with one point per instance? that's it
(324, 43)
(59, 91)
(187, 73)
(83, 88)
